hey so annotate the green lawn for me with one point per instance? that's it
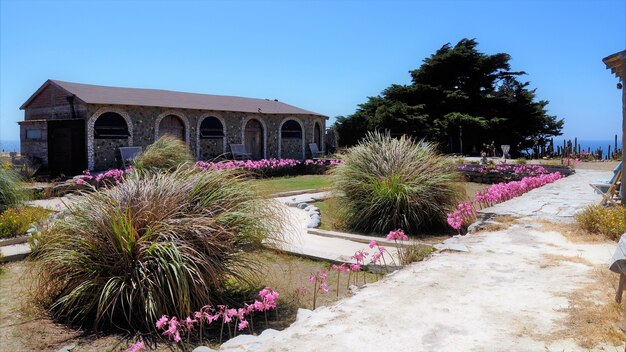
(293, 183)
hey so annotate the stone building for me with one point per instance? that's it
(70, 127)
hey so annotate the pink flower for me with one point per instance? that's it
(397, 235)
(80, 181)
(136, 347)
(243, 324)
(373, 244)
(360, 256)
(177, 338)
(324, 287)
(161, 322)
(312, 278)
(355, 267)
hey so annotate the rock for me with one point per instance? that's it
(303, 314)
(67, 348)
(353, 289)
(457, 247)
(308, 208)
(313, 224)
(312, 209)
(247, 342)
(302, 205)
(203, 349)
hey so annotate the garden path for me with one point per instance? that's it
(508, 292)
(297, 240)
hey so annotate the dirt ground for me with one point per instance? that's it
(24, 327)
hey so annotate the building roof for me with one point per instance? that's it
(617, 64)
(92, 94)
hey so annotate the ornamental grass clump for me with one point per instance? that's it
(157, 243)
(11, 193)
(166, 154)
(609, 222)
(389, 183)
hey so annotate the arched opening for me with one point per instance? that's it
(110, 125)
(317, 136)
(291, 130)
(291, 140)
(173, 126)
(211, 141)
(211, 127)
(254, 140)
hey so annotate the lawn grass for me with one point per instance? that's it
(293, 183)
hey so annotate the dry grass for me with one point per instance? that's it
(593, 316)
(572, 232)
(551, 260)
(498, 223)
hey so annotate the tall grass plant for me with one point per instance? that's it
(157, 243)
(389, 183)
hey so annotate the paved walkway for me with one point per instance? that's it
(298, 241)
(506, 294)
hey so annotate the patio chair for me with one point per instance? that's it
(239, 152)
(315, 152)
(128, 154)
(617, 168)
(609, 190)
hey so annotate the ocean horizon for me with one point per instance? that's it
(9, 146)
(585, 144)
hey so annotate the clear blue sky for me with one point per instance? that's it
(325, 56)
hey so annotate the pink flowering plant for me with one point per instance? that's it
(272, 167)
(103, 179)
(465, 214)
(233, 319)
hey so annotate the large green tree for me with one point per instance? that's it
(457, 90)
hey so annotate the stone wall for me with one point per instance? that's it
(291, 148)
(36, 148)
(210, 148)
(144, 121)
(106, 153)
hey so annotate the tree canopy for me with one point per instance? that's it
(457, 90)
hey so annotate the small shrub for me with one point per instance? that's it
(521, 161)
(391, 183)
(16, 221)
(167, 153)
(157, 243)
(607, 221)
(11, 193)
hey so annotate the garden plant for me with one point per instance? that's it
(156, 243)
(167, 153)
(389, 183)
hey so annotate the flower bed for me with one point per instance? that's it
(498, 193)
(508, 172)
(273, 167)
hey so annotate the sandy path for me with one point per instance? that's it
(505, 294)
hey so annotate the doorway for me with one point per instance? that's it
(253, 139)
(67, 154)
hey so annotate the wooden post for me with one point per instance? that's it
(620, 288)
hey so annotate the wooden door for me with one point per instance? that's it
(173, 126)
(66, 147)
(254, 139)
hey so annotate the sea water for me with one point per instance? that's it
(9, 146)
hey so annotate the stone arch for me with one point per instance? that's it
(90, 131)
(280, 136)
(317, 127)
(178, 114)
(224, 127)
(263, 124)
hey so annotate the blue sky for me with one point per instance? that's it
(324, 56)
